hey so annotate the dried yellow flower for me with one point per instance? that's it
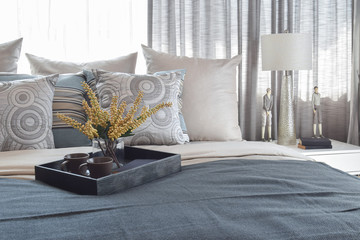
(111, 124)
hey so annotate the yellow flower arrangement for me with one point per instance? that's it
(111, 124)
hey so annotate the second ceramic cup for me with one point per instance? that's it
(98, 167)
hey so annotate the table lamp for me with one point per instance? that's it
(286, 52)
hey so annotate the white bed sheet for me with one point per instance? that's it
(20, 164)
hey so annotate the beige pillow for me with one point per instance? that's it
(209, 95)
(9, 55)
(43, 66)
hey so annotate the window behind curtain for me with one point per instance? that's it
(75, 30)
(222, 29)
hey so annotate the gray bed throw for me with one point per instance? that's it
(228, 199)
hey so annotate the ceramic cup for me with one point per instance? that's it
(98, 167)
(73, 161)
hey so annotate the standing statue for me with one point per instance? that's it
(317, 115)
(268, 101)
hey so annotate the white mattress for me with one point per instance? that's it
(20, 164)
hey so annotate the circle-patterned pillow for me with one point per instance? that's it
(26, 113)
(161, 128)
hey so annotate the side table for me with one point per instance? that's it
(343, 156)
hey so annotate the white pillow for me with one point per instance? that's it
(43, 66)
(161, 128)
(209, 95)
(26, 113)
(9, 55)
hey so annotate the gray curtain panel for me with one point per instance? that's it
(354, 128)
(224, 28)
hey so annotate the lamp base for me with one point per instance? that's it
(286, 128)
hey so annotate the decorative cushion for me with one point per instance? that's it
(69, 95)
(161, 128)
(181, 117)
(68, 98)
(91, 81)
(26, 113)
(43, 66)
(6, 77)
(209, 96)
(9, 55)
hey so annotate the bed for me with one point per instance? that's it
(226, 190)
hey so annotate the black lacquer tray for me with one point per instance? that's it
(140, 166)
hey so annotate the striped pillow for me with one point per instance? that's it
(68, 98)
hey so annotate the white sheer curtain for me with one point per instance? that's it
(75, 30)
(224, 28)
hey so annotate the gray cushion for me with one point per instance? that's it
(26, 113)
(9, 55)
(5, 77)
(68, 98)
(181, 117)
(161, 128)
(44, 66)
(90, 79)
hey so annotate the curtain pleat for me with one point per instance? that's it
(239, 52)
(182, 26)
(171, 30)
(273, 79)
(224, 28)
(354, 128)
(150, 23)
(195, 29)
(252, 70)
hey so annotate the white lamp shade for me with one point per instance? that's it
(286, 52)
